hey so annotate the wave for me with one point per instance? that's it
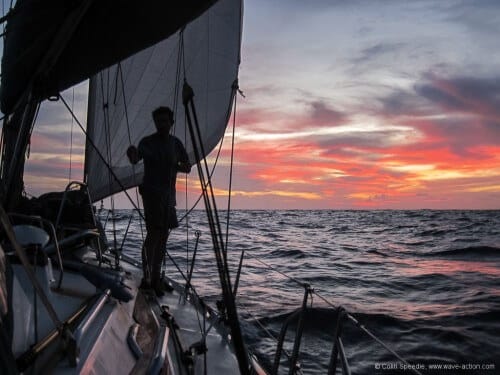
(315, 319)
(294, 253)
(434, 232)
(416, 243)
(484, 317)
(377, 252)
(468, 252)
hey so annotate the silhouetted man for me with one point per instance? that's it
(164, 155)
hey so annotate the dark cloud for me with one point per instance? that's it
(371, 53)
(322, 114)
(57, 143)
(433, 95)
(465, 94)
(401, 102)
(53, 167)
(440, 97)
(319, 5)
(373, 140)
(478, 16)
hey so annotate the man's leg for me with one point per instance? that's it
(153, 214)
(157, 260)
(146, 272)
(149, 250)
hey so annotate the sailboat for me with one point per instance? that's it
(69, 302)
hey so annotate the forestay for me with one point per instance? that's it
(206, 53)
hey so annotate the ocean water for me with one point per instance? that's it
(425, 282)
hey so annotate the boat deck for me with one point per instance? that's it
(169, 330)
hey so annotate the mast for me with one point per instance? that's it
(19, 124)
(17, 129)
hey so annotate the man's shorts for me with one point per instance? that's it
(158, 213)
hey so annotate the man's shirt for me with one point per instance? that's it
(161, 157)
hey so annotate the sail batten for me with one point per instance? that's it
(208, 49)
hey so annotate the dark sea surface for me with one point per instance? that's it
(427, 283)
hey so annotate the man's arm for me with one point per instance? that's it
(183, 165)
(133, 154)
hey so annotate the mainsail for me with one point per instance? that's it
(55, 44)
(206, 53)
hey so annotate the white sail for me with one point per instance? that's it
(206, 53)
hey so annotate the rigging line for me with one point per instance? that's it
(211, 195)
(71, 136)
(210, 218)
(209, 178)
(181, 62)
(231, 168)
(359, 325)
(302, 284)
(267, 331)
(183, 55)
(208, 173)
(118, 69)
(101, 156)
(125, 108)
(4, 16)
(217, 240)
(354, 320)
(187, 222)
(193, 290)
(211, 210)
(364, 329)
(1, 144)
(105, 108)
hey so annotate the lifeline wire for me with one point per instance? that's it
(354, 320)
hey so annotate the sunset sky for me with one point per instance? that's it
(348, 105)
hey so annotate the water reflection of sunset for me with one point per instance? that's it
(421, 267)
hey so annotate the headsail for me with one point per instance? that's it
(206, 53)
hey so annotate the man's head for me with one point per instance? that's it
(163, 118)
